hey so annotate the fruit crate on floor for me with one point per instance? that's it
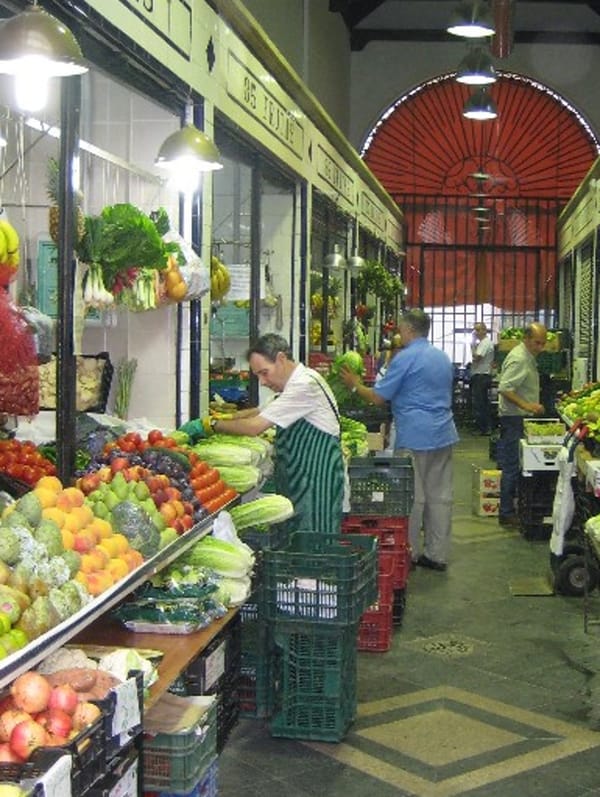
(321, 578)
(535, 501)
(381, 485)
(375, 629)
(177, 761)
(254, 684)
(313, 681)
(391, 534)
(207, 787)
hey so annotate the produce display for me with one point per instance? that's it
(583, 405)
(24, 461)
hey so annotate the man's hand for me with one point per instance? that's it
(349, 378)
(536, 409)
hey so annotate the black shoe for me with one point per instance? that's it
(425, 561)
(509, 520)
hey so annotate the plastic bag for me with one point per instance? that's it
(19, 377)
(195, 274)
(44, 330)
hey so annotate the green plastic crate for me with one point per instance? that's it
(314, 681)
(329, 580)
(381, 485)
(176, 761)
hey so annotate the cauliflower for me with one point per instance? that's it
(54, 572)
(10, 549)
(48, 534)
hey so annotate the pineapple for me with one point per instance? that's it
(53, 210)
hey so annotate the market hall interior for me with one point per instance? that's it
(484, 691)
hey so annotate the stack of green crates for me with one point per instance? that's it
(313, 594)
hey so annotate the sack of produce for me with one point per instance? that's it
(19, 380)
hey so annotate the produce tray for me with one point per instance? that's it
(381, 486)
(96, 403)
(176, 761)
(314, 681)
(14, 487)
(319, 578)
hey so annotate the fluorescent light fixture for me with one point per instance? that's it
(481, 107)
(476, 69)
(471, 20)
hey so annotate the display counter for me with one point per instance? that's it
(178, 649)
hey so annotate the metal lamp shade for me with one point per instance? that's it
(335, 260)
(471, 20)
(480, 106)
(476, 69)
(191, 146)
(36, 35)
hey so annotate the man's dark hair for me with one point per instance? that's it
(418, 321)
(269, 346)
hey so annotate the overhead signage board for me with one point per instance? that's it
(266, 102)
(337, 177)
(372, 212)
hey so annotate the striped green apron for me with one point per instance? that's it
(309, 470)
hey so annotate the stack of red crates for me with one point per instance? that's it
(377, 623)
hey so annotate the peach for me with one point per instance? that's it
(102, 528)
(133, 559)
(75, 496)
(118, 568)
(47, 498)
(84, 541)
(68, 539)
(52, 483)
(55, 514)
(122, 542)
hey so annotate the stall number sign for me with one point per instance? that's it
(215, 665)
(262, 103)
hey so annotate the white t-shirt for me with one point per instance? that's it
(485, 350)
(304, 397)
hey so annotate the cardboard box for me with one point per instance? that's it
(375, 441)
(486, 505)
(538, 456)
(486, 481)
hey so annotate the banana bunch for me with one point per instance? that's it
(220, 281)
(9, 245)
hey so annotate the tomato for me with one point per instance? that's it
(214, 504)
(28, 474)
(209, 477)
(212, 491)
(128, 446)
(229, 494)
(154, 435)
(199, 468)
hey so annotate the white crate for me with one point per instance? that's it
(545, 439)
(486, 505)
(538, 456)
(486, 481)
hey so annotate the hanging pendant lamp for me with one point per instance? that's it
(335, 260)
(189, 148)
(471, 20)
(476, 69)
(480, 106)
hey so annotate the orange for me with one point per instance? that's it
(55, 514)
(46, 497)
(52, 483)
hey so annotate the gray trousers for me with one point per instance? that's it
(432, 509)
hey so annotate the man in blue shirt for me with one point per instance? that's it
(418, 385)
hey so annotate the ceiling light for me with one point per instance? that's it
(480, 106)
(481, 209)
(471, 20)
(35, 46)
(476, 69)
(335, 260)
(186, 154)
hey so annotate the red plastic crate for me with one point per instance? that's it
(392, 535)
(386, 573)
(375, 630)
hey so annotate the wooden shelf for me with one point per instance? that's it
(179, 649)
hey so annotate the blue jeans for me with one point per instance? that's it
(511, 431)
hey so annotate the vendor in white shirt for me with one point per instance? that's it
(482, 354)
(309, 467)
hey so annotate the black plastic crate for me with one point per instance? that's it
(256, 642)
(372, 416)
(399, 606)
(118, 738)
(123, 776)
(381, 485)
(274, 538)
(322, 579)
(207, 672)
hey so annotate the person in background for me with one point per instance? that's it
(309, 467)
(418, 384)
(482, 356)
(519, 397)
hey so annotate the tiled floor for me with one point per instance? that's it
(484, 692)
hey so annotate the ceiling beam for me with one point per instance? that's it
(360, 37)
(353, 13)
